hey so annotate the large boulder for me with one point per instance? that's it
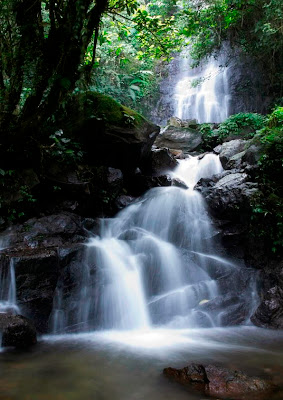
(186, 139)
(17, 331)
(162, 161)
(228, 193)
(230, 149)
(110, 133)
(211, 380)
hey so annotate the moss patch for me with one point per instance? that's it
(102, 107)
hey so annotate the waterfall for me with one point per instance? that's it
(201, 93)
(152, 265)
(8, 301)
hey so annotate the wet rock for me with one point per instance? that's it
(123, 201)
(179, 183)
(246, 158)
(137, 185)
(17, 331)
(36, 279)
(49, 231)
(214, 381)
(230, 149)
(161, 161)
(229, 194)
(185, 139)
(185, 123)
(228, 310)
(253, 154)
(174, 121)
(269, 313)
(114, 179)
(92, 224)
(178, 154)
(217, 149)
(242, 276)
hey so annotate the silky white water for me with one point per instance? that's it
(202, 93)
(152, 265)
(8, 302)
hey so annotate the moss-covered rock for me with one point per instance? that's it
(110, 133)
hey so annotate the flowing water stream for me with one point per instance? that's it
(8, 300)
(152, 265)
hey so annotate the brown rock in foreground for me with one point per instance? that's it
(220, 382)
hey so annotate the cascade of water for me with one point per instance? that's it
(152, 265)
(202, 93)
(192, 169)
(8, 301)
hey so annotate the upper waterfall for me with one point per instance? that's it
(201, 93)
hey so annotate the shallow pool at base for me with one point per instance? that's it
(128, 365)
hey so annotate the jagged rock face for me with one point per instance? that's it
(215, 381)
(17, 331)
(185, 139)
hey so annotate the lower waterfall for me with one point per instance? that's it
(152, 265)
(8, 301)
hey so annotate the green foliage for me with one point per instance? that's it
(242, 124)
(210, 137)
(127, 48)
(268, 210)
(63, 149)
(15, 198)
(101, 107)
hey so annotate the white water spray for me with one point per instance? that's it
(152, 265)
(202, 93)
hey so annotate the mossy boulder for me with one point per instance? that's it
(110, 133)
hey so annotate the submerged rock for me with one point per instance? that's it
(17, 331)
(229, 309)
(214, 381)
